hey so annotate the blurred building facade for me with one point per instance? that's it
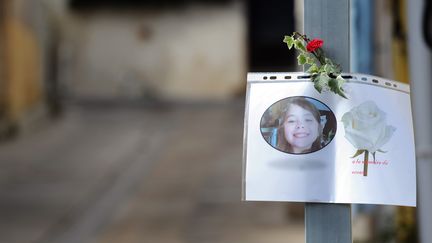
(185, 52)
(180, 51)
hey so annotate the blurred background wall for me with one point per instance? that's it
(185, 52)
(108, 50)
(153, 50)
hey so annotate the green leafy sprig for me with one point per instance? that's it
(325, 74)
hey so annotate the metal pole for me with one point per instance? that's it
(330, 21)
(420, 59)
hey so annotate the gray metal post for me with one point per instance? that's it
(330, 21)
(420, 60)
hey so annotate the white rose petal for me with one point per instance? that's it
(366, 127)
(358, 140)
(367, 115)
(386, 135)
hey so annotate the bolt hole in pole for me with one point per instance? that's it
(329, 20)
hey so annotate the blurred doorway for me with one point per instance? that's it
(268, 22)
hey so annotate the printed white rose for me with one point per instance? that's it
(366, 127)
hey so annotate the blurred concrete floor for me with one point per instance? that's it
(135, 174)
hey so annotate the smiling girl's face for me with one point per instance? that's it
(301, 128)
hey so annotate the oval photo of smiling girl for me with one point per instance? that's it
(298, 125)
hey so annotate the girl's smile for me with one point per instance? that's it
(300, 134)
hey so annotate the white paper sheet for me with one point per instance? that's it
(290, 155)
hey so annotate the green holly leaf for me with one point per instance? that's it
(327, 68)
(289, 40)
(320, 81)
(321, 69)
(337, 68)
(340, 80)
(328, 61)
(310, 60)
(313, 69)
(330, 68)
(301, 59)
(299, 45)
(335, 85)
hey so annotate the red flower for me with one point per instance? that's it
(314, 44)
